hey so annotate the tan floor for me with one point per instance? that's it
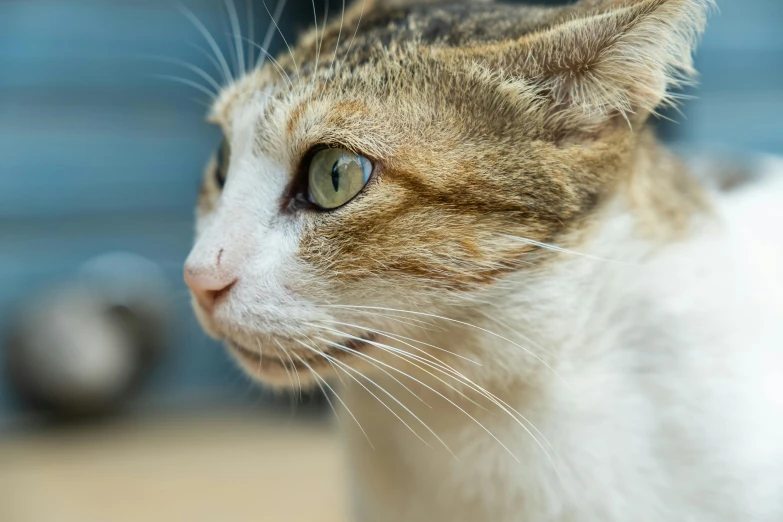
(226, 469)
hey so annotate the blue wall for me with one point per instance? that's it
(99, 154)
(739, 101)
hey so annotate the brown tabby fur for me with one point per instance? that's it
(483, 121)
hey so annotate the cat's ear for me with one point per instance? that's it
(606, 58)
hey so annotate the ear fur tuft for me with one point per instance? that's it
(606, 58)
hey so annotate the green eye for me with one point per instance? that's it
(222, 161)
(336, 176)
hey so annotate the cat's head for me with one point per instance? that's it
(407, 161)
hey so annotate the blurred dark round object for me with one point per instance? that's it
(83, 348)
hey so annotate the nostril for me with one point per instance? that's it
(208, 289)
(216, 295)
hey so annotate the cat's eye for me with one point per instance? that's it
(336, 176)
(222, 159)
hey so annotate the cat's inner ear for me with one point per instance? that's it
(606, 58)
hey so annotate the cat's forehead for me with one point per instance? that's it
(455, 24)
(358, 40)
(376, 39)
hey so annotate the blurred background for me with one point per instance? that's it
(113, 404)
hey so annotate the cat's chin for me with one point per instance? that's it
(276, 368)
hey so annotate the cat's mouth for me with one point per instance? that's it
(277, 361)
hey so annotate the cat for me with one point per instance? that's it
(455, 218)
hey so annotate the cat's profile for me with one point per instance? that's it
(454, 216)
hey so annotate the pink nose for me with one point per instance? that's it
(207, 289)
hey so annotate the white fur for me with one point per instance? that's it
(245, 239)
(674, 359)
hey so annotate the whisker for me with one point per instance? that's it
(189, 83)
(539, 359)
(435, 364)
(288, 373)
(555, 248)
(431, 360)
(251, 27)
(462, 379)
(280, 70)
(230, 44)
(327, 360)
(293, 366)
(347, 369)
(527, 339)
(339, 34)
(320, 380)
(290, 52)
(393, 351)
(405, 321)
(394, 336)
(317, 43)
(318, 48)
(210, 41)
(345, 348)
(296, 373)
(355, 32)
(197, 70)
(261, 356)
(272, 24)
(212, 61)
(202, 103)
(236, 29)
(443, 397)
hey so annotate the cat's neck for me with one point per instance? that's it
(535, 321)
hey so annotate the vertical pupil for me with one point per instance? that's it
(336, 176)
